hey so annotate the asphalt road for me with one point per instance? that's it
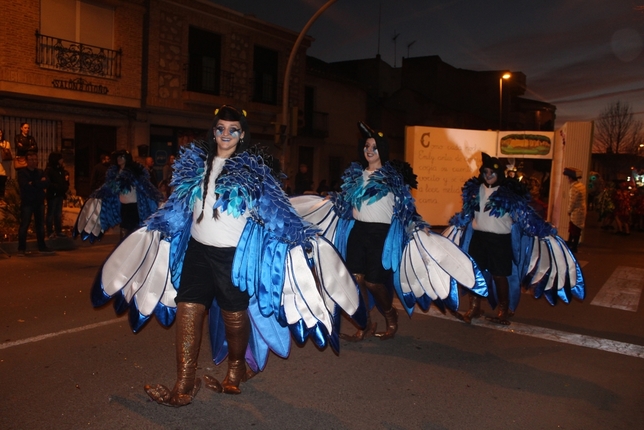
(65, 365)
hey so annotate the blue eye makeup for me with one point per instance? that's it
(232, 131)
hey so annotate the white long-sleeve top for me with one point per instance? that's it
(226, 230)
(483, 221)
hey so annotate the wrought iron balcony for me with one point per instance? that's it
(61, 54)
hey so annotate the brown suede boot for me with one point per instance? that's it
(237, 326)
(370, 327)
(188, 341)
(503, 295)
(475, 309)
(385, 303)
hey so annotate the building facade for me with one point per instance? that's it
(93, 76)
(146, 76)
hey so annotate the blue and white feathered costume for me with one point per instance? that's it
(426, 266)
(102, 210)
(541, 259)
(275, 261)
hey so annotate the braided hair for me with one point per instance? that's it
(225, 113)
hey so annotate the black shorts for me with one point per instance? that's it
(364, 251)
(206, 275)
(492, 252)
(129, 216)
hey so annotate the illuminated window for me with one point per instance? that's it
(78, 21)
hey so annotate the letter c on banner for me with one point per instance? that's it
(424, 140)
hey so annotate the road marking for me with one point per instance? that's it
(548, 334)
(517, 328)
(622, 290)
(59, 333)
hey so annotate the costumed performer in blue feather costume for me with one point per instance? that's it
(374, 224)
(366, 241)
(228, 243)
(126, 198)
(511, 244)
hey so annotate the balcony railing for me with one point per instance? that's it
(61, 54)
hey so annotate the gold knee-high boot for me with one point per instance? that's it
(503, 296)
(475, 308)
(188, 341)
(237, 326)
(370, 327)
(385, 303)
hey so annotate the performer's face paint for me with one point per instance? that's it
(489, 176)
(227, 135)
(371, 153)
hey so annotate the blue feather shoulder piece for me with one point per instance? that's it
(470, 196)
(187, 177)
(381, 182)
(352, 189)
(391, 180)
(188, 173)
(248, 185)
(511, 200)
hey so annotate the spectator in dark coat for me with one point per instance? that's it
(149, 165)
(32, 182)
(99, 171)
(58, 179)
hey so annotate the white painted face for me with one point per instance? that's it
(371, 151)
(227, 135)
(489, 176)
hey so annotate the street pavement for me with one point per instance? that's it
(65, 365)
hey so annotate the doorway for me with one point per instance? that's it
(90, 141)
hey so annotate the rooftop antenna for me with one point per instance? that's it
(394, 39)
(409, 46)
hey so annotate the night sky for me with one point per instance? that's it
(579, 55)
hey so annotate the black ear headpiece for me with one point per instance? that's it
(381, 143)
(122, 152)
(494, 164)
(131, 165)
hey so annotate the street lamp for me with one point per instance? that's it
(282, 121)
(506, 75)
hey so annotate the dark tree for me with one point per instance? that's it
(617, 131)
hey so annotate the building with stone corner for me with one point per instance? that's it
(146, 76)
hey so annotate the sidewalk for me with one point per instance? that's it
(593, 237)
(9, 249)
